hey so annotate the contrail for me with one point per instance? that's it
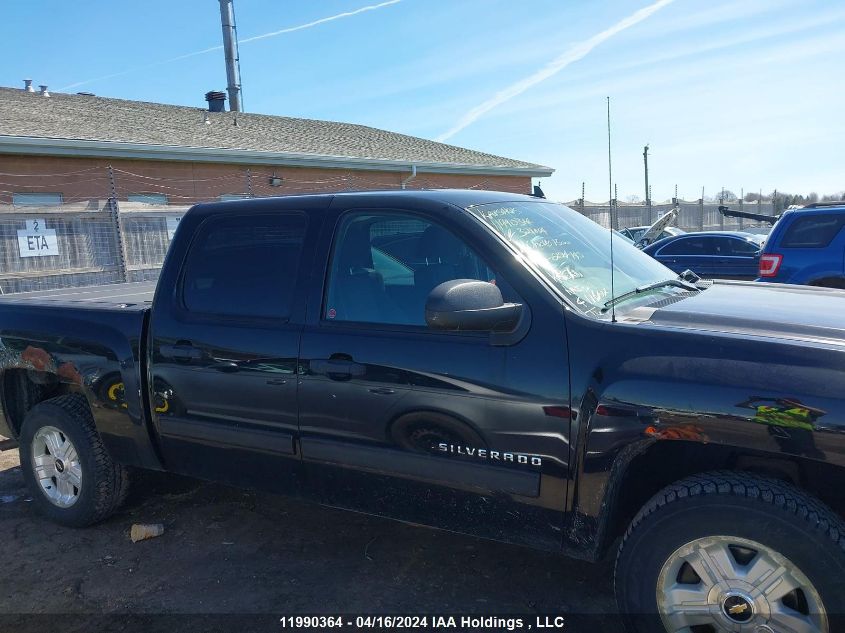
(308, 25)
(371, 7)
(575, 53)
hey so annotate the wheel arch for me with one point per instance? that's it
(21, 389)
(635, 479)
(829, 281)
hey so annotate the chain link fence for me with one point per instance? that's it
(113, 225)
(46, 248)
(692, 215)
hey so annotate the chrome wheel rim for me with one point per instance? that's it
(55, 463)
(725, 583)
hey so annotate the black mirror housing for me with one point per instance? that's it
(470, 305)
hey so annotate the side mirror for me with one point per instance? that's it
(470, 305)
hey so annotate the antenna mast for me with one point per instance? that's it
(230, 49)
(612, 223)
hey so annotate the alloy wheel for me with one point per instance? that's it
(736, 585)
(56, 465)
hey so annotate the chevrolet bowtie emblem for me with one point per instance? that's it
(738, 608)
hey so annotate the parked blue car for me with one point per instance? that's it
(807, 246)
(711, 254)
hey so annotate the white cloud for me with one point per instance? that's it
(572, 55)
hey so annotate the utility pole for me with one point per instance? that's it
(647, 188)
(230, 49)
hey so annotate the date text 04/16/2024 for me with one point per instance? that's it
(423, 622)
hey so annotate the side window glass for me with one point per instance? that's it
(685, 246)
(384, 265)
(244, 265)
(742, 248)
(814, 231)
(721, 246)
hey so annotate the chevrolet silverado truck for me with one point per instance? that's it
(481, 362)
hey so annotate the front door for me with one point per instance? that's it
(455, 430)
(224, 351)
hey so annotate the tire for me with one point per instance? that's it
(78, 457)
(744, 523)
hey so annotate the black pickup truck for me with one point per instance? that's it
(464, 360)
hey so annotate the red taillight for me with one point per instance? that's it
(769, 265)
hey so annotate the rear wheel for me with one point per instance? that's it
(733, 552)
(71, 476)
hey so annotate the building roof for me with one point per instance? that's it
(86, 125)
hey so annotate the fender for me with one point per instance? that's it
(820, 270)
(95, 353)
(689, 396)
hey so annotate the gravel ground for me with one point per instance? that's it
(236, 560)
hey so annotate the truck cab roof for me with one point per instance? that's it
(462, 198)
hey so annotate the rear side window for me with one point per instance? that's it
(689, 246)
(722, 246)
(815, 231)
(244, 266)
(736, 247)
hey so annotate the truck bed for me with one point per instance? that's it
(137, 295)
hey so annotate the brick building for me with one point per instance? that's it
(111, 176)
(201, 149)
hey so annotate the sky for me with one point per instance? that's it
(746, 95)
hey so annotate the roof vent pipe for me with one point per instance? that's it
(413, 175)
(27, 85)
(216, 101)
(44, 92)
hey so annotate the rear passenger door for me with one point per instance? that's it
(742, 258)
(224, 349)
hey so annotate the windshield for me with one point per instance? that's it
(572, 251)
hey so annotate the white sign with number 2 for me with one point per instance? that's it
(36, 240)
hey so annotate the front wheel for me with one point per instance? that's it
(733, 552)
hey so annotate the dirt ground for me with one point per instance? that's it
(232, 560)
